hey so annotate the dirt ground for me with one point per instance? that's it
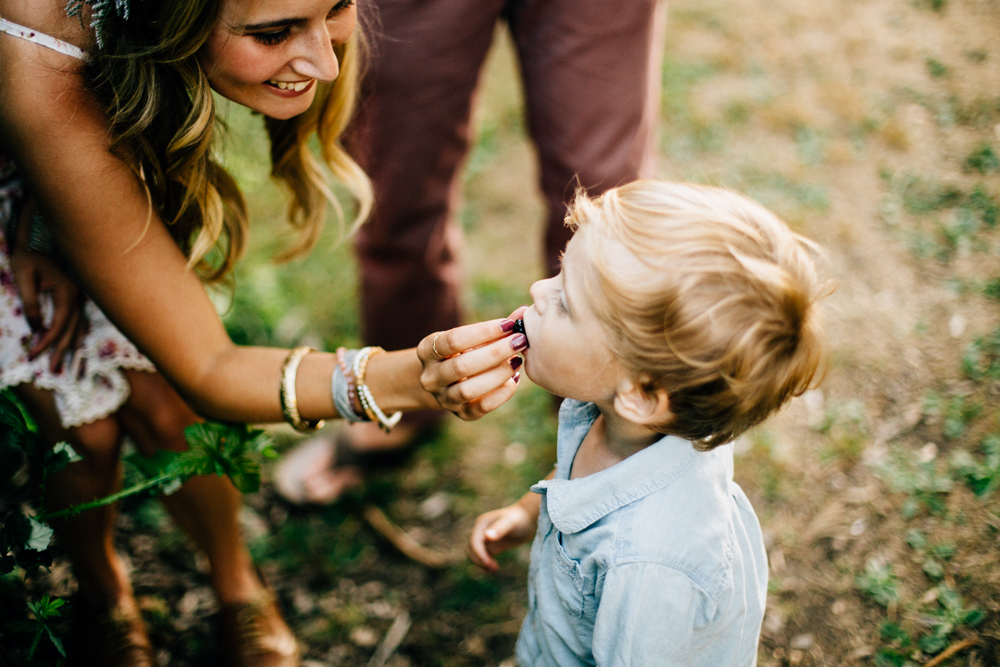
(873, 127)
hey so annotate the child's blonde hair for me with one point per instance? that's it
(722, 312)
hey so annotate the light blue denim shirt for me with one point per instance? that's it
(658, 560)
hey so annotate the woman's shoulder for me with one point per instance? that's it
(48, 17)
(39, 87)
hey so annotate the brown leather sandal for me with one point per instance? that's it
(255, 635)
(110, 634)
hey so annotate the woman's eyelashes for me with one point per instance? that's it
(278, 36)
(271, 38)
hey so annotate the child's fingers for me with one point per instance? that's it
(477, 543)
(498, 530)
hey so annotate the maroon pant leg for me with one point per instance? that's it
(591, 73)
(410, 136)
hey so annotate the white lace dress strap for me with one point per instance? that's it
(42, 39)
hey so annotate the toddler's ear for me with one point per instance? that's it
(649, 407)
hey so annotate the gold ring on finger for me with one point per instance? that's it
(434, 345)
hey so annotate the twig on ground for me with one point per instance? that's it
(408, 546)
(950, 651)
(393, 638)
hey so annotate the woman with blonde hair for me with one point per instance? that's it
(107, 112)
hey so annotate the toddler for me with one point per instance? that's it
(683, 316)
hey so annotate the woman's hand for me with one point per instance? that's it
(35, 274)
(472, 370)
(500, 530)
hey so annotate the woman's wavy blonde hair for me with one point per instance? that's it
(714, 301)
(162, 120)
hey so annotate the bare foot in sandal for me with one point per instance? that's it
(323, 468)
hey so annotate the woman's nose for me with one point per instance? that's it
(317, 61)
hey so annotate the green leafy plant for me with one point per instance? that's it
(948, 617)
(25, 536)
(43, 612)
(879, 583)
(898, 640)
(213, 449)
(980, 476)
(934, 555)
(921, 481)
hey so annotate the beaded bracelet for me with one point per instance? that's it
(371, 408)
(289, 403)
(344, 392)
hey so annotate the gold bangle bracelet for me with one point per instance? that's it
(289, 403)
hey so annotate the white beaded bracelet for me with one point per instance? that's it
(365, 394)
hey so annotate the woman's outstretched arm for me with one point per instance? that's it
(128, 263)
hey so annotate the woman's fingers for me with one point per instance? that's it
(445, 344)
(487, 403)
(477, 387)
(475, 362)
(518, 313)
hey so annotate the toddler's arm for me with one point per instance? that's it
(495, 532)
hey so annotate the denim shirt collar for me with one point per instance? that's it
(573, 505)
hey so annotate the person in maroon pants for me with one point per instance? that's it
(591, 71)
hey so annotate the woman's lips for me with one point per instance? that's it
(290, 92)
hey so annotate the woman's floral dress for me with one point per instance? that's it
(91, 384)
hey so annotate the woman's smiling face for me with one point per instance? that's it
(269, 55)
(568, 354)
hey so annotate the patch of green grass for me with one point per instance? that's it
(980, 113)
(981, 359)
(469, 588)
(936, 68)
(844, 427)
(785, 195)
(686, 132)
(765, 471)
(956, 411)
(941, 237)
(925, 195)
(737, 112)
(811, 145)
(980, 201)
(982, 159)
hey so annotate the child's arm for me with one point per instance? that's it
(495, 532)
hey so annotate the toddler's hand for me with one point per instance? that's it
(499, 530)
